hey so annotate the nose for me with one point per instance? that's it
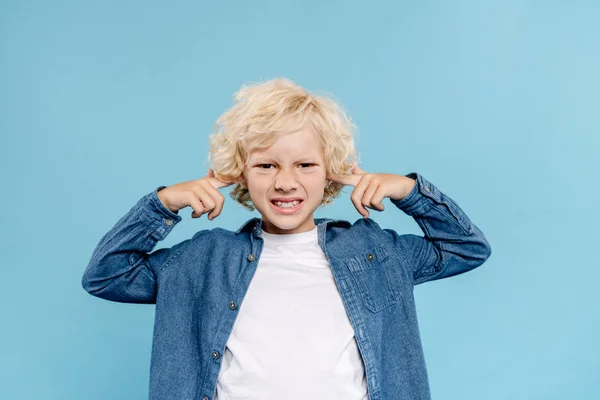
(285, 181)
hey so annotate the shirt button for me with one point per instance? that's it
(427, 189)
(168, 222)
(205, 398)
(215, 355)
(251, 257)
(370, 257)
(232, 305)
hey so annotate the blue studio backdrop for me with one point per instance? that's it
(495, 102)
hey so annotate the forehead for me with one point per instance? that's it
(300, 144)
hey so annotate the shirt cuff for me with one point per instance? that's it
(159, 218)
(407, 203)
(425, 196)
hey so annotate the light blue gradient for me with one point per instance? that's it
(495, 102)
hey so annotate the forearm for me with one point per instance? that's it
(454, 244)
(119, 268)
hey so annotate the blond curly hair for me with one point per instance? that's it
(263, 111)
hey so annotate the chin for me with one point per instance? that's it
(284, 224)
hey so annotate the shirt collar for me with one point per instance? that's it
(256, 223)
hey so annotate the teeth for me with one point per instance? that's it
(287, 204)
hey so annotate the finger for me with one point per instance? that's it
(367, 197)
(356, 169)
(216, 211)
(378, 197)
(197, 206)
(357, 196)
(351, 180)
(216, 183)
(207, 201)
(364, 186)
(217, 200)
(209, 189)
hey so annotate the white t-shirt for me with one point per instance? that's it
(292, 338)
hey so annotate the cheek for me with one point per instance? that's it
(317, 178)
(316, 182)
(258, 183)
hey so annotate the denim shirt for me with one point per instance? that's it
(199, 285)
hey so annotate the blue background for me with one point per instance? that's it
(495, 102)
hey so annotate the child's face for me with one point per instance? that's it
(292, 168)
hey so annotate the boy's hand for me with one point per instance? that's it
(371, 189)
(200, 194)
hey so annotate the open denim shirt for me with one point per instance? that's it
(199, 285)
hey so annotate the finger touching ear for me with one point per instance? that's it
(343, 179)
(356, 169)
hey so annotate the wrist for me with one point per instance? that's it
(161, 196)
(407, 186)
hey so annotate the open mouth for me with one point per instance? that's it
(287, 207)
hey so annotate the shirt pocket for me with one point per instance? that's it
(376, 278)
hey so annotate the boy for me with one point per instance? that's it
(287, 307)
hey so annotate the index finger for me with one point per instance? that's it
(351, 179)
(217, 183)
(344, 179)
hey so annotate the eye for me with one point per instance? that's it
(306, 165)
(265, 166)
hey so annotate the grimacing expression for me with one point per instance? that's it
(286, 182)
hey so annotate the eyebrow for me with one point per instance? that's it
(301, 160)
